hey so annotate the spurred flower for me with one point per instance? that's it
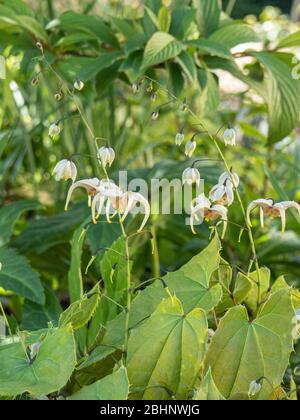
(222, 193)
(269, 208)
(106, 155)
(64, 170)
(91, 186)
(190, 147)
(191, 176)
(232, 177)
(202, 208)
(54, 130)
(230, 137)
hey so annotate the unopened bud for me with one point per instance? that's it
(78, 85)
(155, 115)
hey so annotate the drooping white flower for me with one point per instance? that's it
(135, 87)
(202, 208)
(191, 176)
(78, 85)
(54, 130)
(91, 186)
(222, 193)
(179, 138)
(254, 389)
(155, 115)
(274, 210)
(106, 155)
(34, 349)
(230, 176)
(230, 137)
(64, 170)
(190, 147)
(122, 202)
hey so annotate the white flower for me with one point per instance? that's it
(54, 130)
(155, 115)
(222, 193)
(179, 138)
(34, 349)
(91, 186)
(191, 176)
(64, 170)
(106, 155)
(230, 137)
(232, 177)
(269, 208)
(254, 389)
(190, 147)
(135, 87)
(122, 202)
(202, 208)
(78, 85)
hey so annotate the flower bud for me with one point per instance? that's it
(106, 155)
(54, 130)
(190, 147)
(58, 96)
(179, 138)
(230, 137)
(154, 96)
(254, 389)
(135, 87)
(78, 85)
(155, 115)
(191, 176)
(64, 170)
(40, 46)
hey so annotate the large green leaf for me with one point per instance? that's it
(243, 351)
(48, 372)
(164, 19)
(208, 390)
(169, 347)
(35, 316)
(282, 94)
(209, 98)
(95, 25)
(79, 313)
(208, 15)
(9, 216)
(207, 47)
(16, 275)
(190, 284)
(160, 48)
(112, 387)
(234, 34)
(290, 41)
(182, 21)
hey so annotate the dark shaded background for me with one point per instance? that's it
(244, 7)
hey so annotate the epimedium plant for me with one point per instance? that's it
(210, 330)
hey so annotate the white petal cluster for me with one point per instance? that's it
(230, 137)
(54, 130)
(78, 85)
(64, 170)
(223, 192)
(190, 147)
(179, 139)
(202, 208)
(254, 389)
(191, 176)
(269, 208)
(116, 201)
(106, 155)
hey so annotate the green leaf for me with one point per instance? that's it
(186, 62)
(209, 98)
(207, 47)
(208, 390)
(290, 41)
(164, 19)
(190, 284)
(9, 216)
(111, 388)
(265, 276)
(19, 7)
(170, 347)
(208, 15)
(79, 313)
(282, 96)
(75, 282)
(36, 317)
(234, 34)
(242, 351)
(182, 20)
(75, 22)
(160, 48)
(16, 275)
(176, 79)
(48, 373)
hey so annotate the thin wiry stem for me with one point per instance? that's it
(228, 169)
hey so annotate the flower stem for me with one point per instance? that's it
(128, 291)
